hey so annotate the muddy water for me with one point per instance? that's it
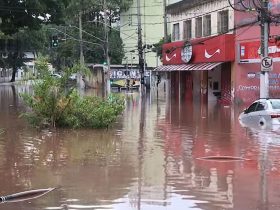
(148, 160)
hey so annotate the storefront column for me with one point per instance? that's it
(204, 87)
(204, 94)
(179, 88)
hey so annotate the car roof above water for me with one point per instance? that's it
(275, 102)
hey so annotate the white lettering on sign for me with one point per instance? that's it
(244, 87)
(256, 88)
(123, 74)
(271, 50)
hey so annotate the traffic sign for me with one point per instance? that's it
(267, 64)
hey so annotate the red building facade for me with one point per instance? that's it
(200, 68)
(223, 68)
(247, 67)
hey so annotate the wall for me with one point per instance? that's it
(95, 79)
(246, 82)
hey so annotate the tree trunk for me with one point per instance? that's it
(14, 74)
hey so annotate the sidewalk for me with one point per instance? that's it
(8, 83)
(18, 82)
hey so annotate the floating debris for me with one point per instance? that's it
(222, 158)
(26, 195)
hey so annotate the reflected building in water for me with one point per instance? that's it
(147, 160)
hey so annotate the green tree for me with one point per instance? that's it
(158, 46)
(17, 14)
(93, 20)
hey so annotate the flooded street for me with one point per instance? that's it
(149, 160)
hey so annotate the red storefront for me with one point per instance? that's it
(200, 68)
(248, 70)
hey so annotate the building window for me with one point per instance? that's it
(176, 32)
(207, 25)
(198, 27)
(223, 21)
(188, 29)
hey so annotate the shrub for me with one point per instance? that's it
(54, 104)
(93, 112)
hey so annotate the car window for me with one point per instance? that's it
(275, 104)
(261, 106)
(252, 108)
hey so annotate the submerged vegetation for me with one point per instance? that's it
(56, 104)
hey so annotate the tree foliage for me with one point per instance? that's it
(158, 46)
(24, 20)
(17, 14)
(93, 10)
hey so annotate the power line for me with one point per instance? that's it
(183, 19)
(146, 6)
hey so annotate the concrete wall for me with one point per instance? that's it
(95, 79)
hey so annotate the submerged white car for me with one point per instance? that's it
(262, 113)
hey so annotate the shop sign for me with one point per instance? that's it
(129, 73)
(250, 52)
(203, 50)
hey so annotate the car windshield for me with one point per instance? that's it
(275, 104)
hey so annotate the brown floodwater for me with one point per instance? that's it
(154, 157)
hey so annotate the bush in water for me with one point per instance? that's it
(53, 104)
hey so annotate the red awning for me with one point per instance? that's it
(188, 67)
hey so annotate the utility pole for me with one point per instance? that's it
(165, 21)
(264, 92)
(264, 76)
(140, 47)
(82, 61)
(265, 19)
(106, 74)
(81, 39)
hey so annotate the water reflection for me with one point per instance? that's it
(147, 160)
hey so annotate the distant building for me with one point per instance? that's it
(27, 71)
(152, 31)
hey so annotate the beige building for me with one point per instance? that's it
(152, 31)
(202, 18)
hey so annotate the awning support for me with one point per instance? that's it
(188, 67)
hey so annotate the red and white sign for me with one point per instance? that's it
(250, 52)
(211, 49)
